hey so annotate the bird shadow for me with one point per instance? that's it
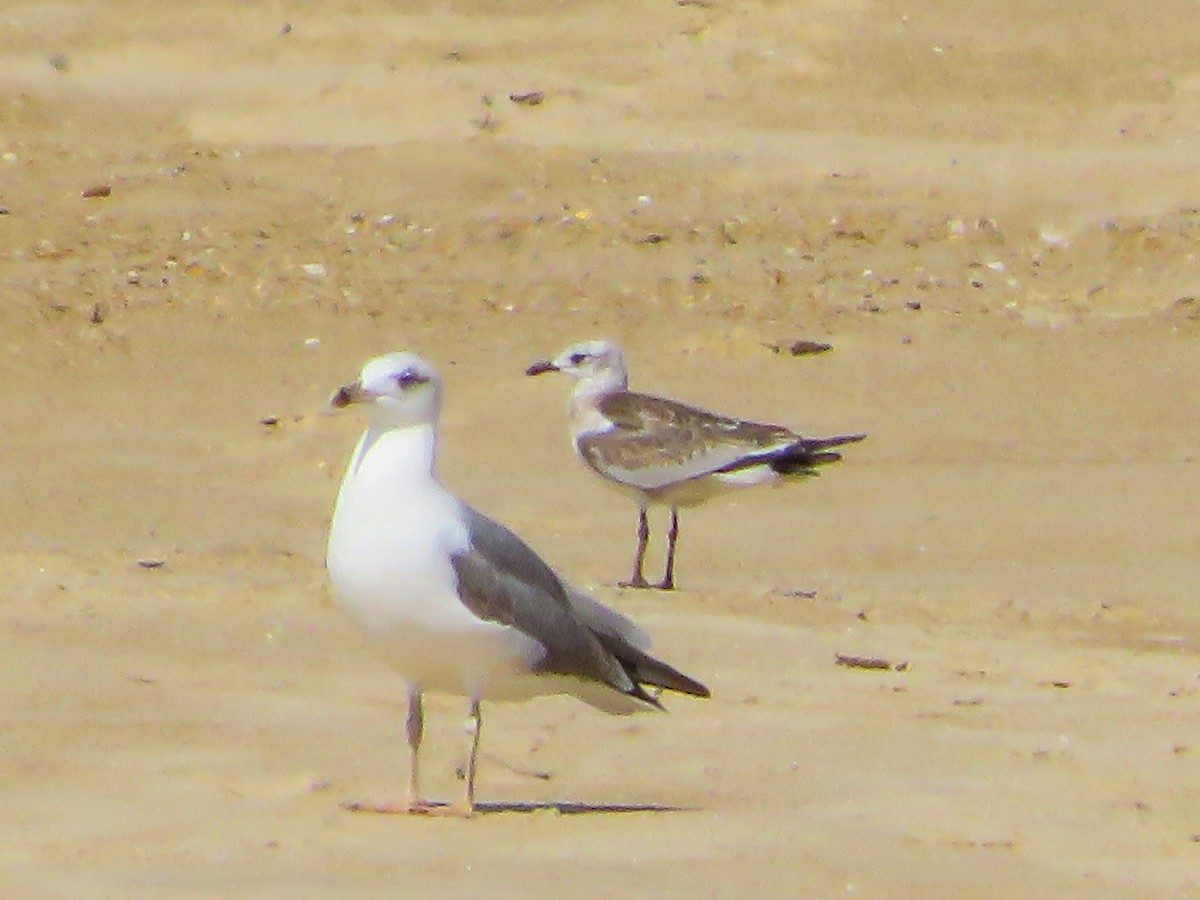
(572, 807)
(558, 807)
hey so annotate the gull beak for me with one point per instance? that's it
(541, 367)
(348, 394)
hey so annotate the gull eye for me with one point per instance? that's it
(408, 378)
(577, 358)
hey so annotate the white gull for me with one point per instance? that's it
(456, 601)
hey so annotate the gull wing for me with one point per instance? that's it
(502, 580)
(655, 442)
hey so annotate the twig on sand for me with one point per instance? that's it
(869, 662)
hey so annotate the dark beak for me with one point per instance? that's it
(541, 367)
(346, 395)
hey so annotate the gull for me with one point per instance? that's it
(457, 602)
(664, 453)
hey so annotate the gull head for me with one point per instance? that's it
(598, 364)
(397, 390)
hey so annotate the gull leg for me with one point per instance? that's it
(668, 579)
(465, 809)
(474, 726)
(414, 729)
(637, 579)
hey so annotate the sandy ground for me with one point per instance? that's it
(989, 210)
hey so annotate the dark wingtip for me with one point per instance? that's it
(811, 445)
(541, 367)
(699, 690)
(659, 674)
(640, 693)
(679, 684)
(644, 669)
(804, 462)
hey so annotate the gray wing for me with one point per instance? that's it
(604, 620)
(502, 580)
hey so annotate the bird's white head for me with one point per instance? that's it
(599, 365)
(398, 390)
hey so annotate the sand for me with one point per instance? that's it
(214, 213)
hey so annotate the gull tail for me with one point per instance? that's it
(804, 456)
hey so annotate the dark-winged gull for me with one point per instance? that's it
(664, 453)
(456, 601)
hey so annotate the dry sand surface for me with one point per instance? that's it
(213, 212)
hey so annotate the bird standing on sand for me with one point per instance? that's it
(664, 453)
(456, 601)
